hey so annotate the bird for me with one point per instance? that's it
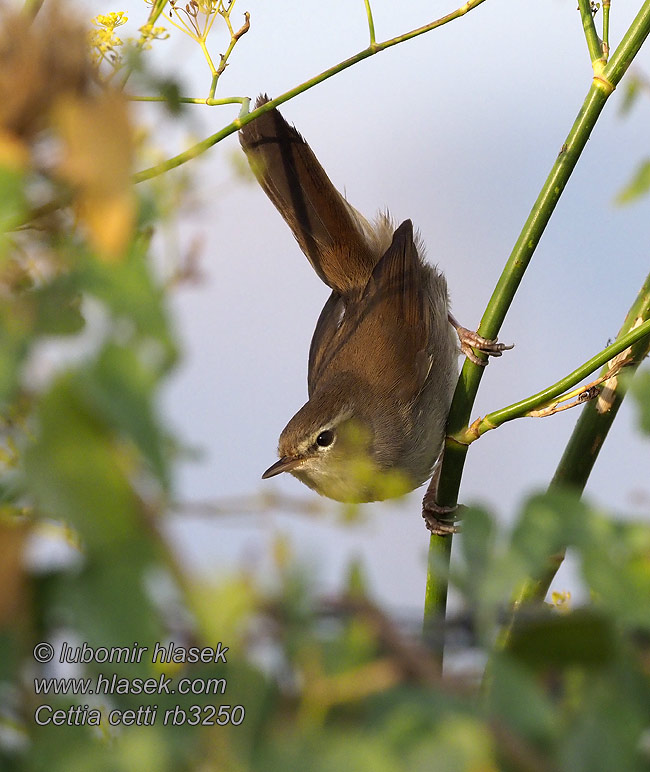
(383, 360)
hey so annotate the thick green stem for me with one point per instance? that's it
(470, 378)
(435, 596)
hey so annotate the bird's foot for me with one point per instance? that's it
(470, 340)
(441, 521)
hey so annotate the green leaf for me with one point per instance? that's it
(11, 356)
(638, 186)
(106, 600)
(120, 390)
(478, 540)
(606, 729)
(512, 686)
(13, 204)
(460, 743)
(73, 469)
(548, 523)
(57, 307)
(616, 566)
(581, 637)
(488, 573)
(16, 323)
(130, 292)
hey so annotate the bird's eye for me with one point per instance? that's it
(325, 438)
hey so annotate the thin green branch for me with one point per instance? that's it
(208, 59)
(191, 100)
(606, 5)
(629, 46)
(546, 397)
(371, 23)
(593, 43)
(454, 453)
(242, 120)
(183, 26)
(223, 63)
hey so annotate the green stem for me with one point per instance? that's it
(234, 37)
(208, 59)
(606, 5)
(589, 435)
(470, 377)
(213, 86)
(435, 595)
(548, 395)
(371, 24)
(191, 100)
(208, 142)
(593, 44)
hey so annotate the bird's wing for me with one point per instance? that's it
(384, 330)
(395, 315)
(322, 342)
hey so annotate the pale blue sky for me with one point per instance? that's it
(456, 130)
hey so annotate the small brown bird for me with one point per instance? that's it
(383, 361)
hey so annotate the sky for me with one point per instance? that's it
(457, 130)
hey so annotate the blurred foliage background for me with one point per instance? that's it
(86, 479)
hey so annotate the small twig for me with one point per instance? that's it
(191, 13)
(606, 5)
(371, 24)
(213, 69)
(582, 393)
(191, 100)
(593, 43)
(223, 63)
(585, 395)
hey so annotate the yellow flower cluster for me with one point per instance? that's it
(103, 41)
(148, 33)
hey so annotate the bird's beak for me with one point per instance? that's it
(285, 464)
